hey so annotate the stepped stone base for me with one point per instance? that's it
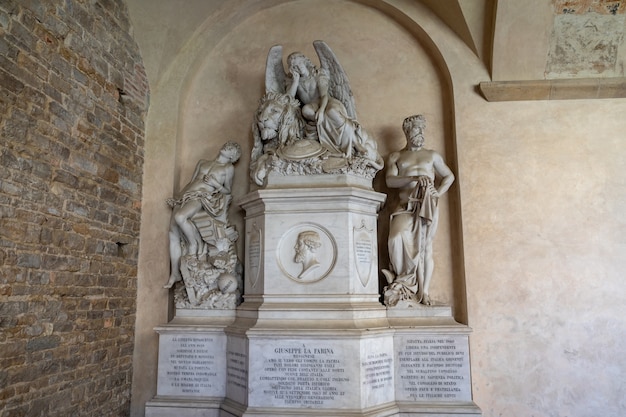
(311, 337)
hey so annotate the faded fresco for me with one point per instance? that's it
(588, 39)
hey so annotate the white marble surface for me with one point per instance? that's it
(237, 369)
(183, 408)
(342, 217)
(302, 373)
(402, 366)
(326, 373)
(377, 371)
(191, 363)
(432, 368)
(339, 180)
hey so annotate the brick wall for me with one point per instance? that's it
(73, 95)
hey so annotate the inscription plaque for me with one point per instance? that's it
(377, 379)
(433, 368)
(187, 366)
(301, 375)
(237, 369)
(378, 370)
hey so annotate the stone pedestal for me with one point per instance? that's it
(343, 221)
(192, 374)
(312, 337)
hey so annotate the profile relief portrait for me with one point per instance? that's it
(306, 248)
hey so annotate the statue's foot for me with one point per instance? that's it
(389, 275)
(222, 245)
(171, 282)
(426, 300)
(204, 249)
(192, 250)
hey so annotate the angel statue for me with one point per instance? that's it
(328, 110)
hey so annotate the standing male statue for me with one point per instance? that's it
(414, 222)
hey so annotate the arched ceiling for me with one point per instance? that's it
(471, 20)
(531, 43)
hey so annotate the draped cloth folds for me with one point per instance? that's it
(412, 229)
(213, 203)
(339, 133)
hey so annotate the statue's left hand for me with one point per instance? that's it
(319, 116)
(210, 180)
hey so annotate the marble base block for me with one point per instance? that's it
(329, 373)
(242, 370)
(183, 407)
(191, 377)
(312, 337)
(340, 266)
(403, 369)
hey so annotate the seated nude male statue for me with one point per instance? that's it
(414, 223)
(208, 190)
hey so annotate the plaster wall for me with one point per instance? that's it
(521, 39)
(558, 39)
(545, 257)
(542, 196)
(540, 187)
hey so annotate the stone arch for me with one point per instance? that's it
(173, 145)
(214, 66)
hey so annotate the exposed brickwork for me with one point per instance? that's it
(73, 95)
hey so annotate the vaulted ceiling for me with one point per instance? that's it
(535, 44)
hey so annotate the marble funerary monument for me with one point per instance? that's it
(311, 337)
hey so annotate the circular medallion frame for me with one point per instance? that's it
(321, 259)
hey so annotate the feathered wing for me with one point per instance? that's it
(339, 87)
(274, 71)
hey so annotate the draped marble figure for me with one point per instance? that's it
(201, 239)
(413, 224)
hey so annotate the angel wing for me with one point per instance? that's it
(339, 87)
(274, 71)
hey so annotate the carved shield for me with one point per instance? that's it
(364, 252)
(254, 258)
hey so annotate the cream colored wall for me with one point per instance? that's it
(521, 39)
(543, 200)
(546, 255)
(541, 192)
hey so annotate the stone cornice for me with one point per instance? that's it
(560, 89)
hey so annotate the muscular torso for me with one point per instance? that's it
(420, 162)
(220, 172)
(416, 163)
